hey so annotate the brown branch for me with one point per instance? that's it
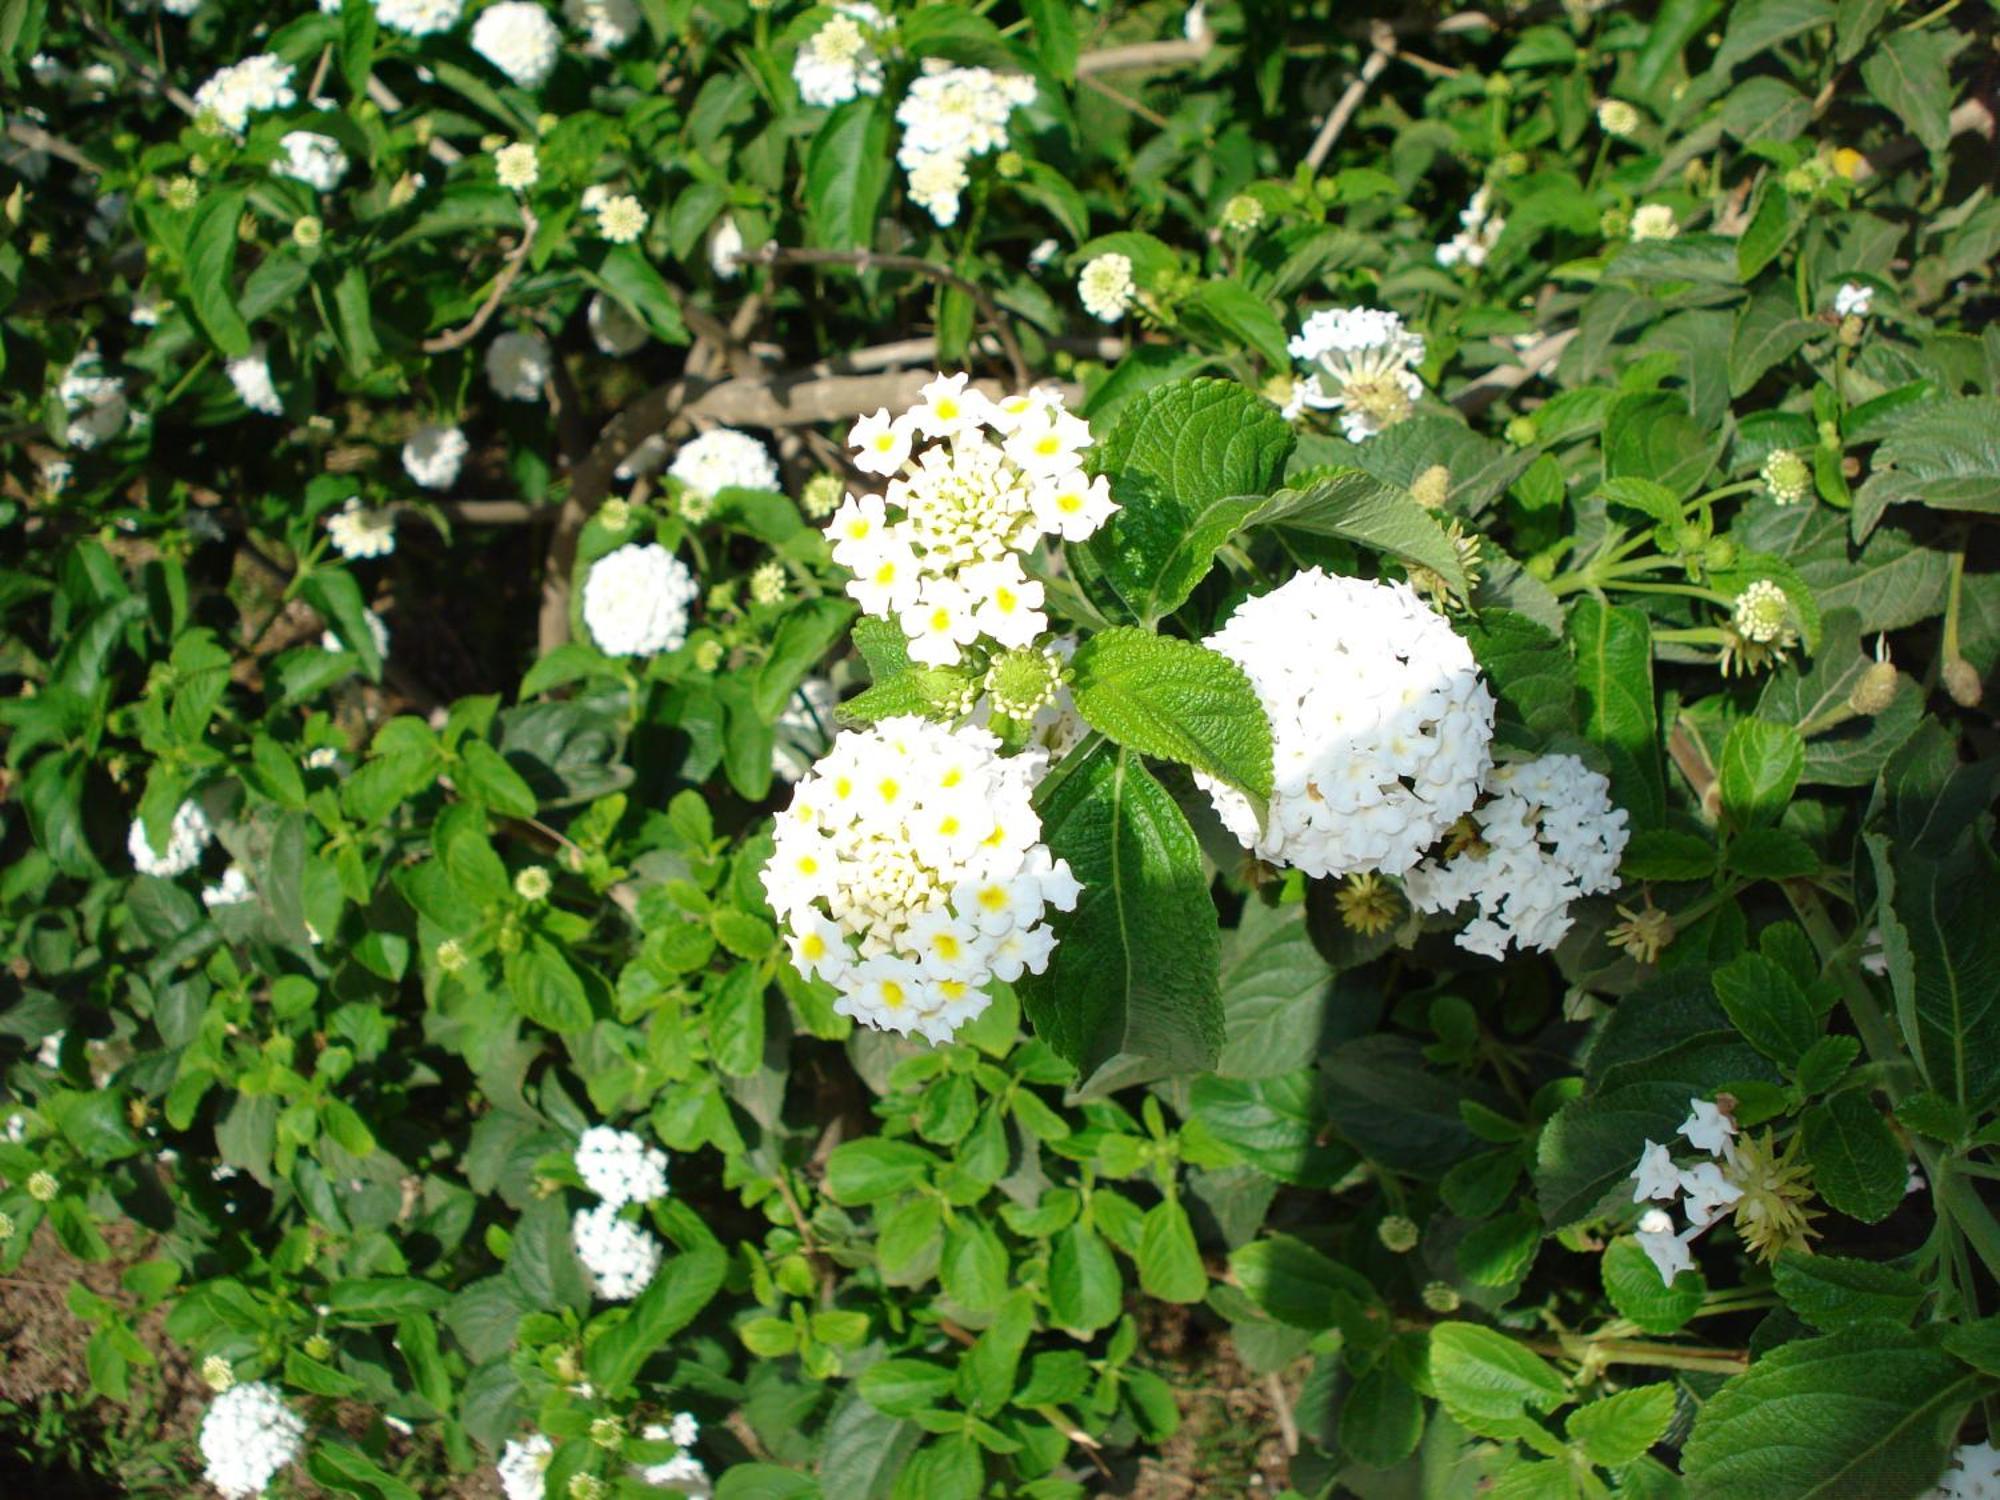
(150, 75)
(386, 100)
(1147, 55)
(1124, 101)
(1382, 43)
(37, 139)
(458, 338)
(865, 260)
(1495, 383)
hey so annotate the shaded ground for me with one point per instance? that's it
(1230, 1441)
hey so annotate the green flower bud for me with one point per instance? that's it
(1397, 1234)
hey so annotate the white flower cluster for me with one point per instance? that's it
(1105, 286)
(613, 330)
(725, 243)
(724, 459)
(517, 364)
(520, 39)
(251, 375)
(620, 1167)
(1380, 724)
(683, 1472)
(358, 532)
(608, 24)
(636, 600)
(411, 17)
(522, 1464)
(1364, 368)
(1854, 299)
(311, 158)
(1654, 221)
(1703, 1190)
(247, 1435)
(433, 453)
(95, 403)
(186, 840)
(909, 871)
(378, 631)
(260, 82)
(995, 477)
(1974, 1473)
(837, 62)
(1479, 230)
(621, 1257)
(234, 887)
(949, 116)
(1548, 836)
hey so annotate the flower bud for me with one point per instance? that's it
(1431, 488)
(1875, 691)
(1961, 680)
(1397, 1234)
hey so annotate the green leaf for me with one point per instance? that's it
(973, 1268)
(1243, 317)
(1868, 1413)
(1359, 507)
(1766, 1004)
(631, 279)
(1188, 462)
(547, 989)
(1136, 966)
(1770, 227)
(1175, 700)
(765, 1482)
(1614, 671)
(1382, 1419)
(1085, 1289)
(1488, 1382)
(346, 1470)
(680, 1289)
(1532, 676)
(808, 631)
(1944, 454)
(988, 1369)
(1760, 767)
(353, 324)
(902, 1387)
(862, 1172)
(847, 168)
(357, 44)
(1651, 435)
(1275, 989)
(337, 596)
(1768, 332)
(484, 774)
(1909, 75)
(736, 1021)
(210, 279)
(1858, 1165)
(1633, 1284)
(1298, 1285)
(1756, 26)
(382, 1299)
(1833, 1291)
(1169, 1262)
(1618, 1429)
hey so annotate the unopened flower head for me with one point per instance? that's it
(1242, 214)
(838, 62)
(533, 883)
(614, 330)
(1479, 230)
(95, 403)
(247, 1435)
(1762, 613)
(43, 1187)
(621, 1257)
(522, 1464)
(251, 375)
(1787, 477)
(636, 600)
(822, 496)
(520, 39)
(909, 872)
(517, 365)
(1616, 117)
(217, 1374)
(973, 483)
(1380, 724)
(621, 1167)
(257, 83)
(517, 166)
(767, 582)
(950, 115)
(1398, 1234)
(1105, 287)
(1547, 836)
(187, 838)
(1022, 682)
(451, 956)
(724, 459)
(621, 219)
(1654, 221)
(311, 158)
(433, 454)
(358, 532)
(1363, 365)
(1854, 299)
(308, 230)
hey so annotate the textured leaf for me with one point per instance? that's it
(679, 1290)
(1135, 970)
(1488, 1382)
(211, 271)
(1944, 454)
(1531, 674)
(1767, 1006)
(1298, 1285)
(1175, 700)
(1633, 1284)
(1758, 25)
(847, 168)
(1909, 75)
(1275, 988)
(1832, 1291)
(1358, 507)
(631, 280)
(1768, 332)
(1618, 1429)
(1759, 770)
(1859, 1167)
(1614, 669)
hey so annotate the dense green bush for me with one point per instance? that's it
(1417, 732)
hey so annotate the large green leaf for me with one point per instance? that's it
(1189, 463)
(211, 270)
(1358, 507)
(1868, 1413)
(1614, 671)
(1275, 989)
(1175, 700)
(847, 168)
(679, 1290)
(1487, 1381)
(1135, 970)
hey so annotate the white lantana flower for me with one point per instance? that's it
(909, 872)
(724, 459)
(522, 1464)
(242, 89)
(1706, 1191)
(417, 17)
(1762, 613)
(1380, 724)
(517, 365)
(608, 24)
(621, 1167)
(1708, 1127)
(359, 532)
(621, 1257)
(520, 39)
(95, 402)
(683, 1472)
(621, 219)
(1654, 221)
(232, 889)
(251, 375)
(1667, 1250)
(147, 305)
(1656, 1174)
(188, 837)
(378, 632)
(1974, 1474)
(725, 243)
(311, 158)
(1478, 232)
(1105, 287)
(247, 1435)
(635, 601)
(837, 62)
(949, 116)
(1548, 836)
(1854, 300)
(1616, 117)
(433, 454)
(612, 329)
(1363, 366)
(516, 166)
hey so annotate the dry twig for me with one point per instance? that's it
(458, 338)
(1382, 44)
